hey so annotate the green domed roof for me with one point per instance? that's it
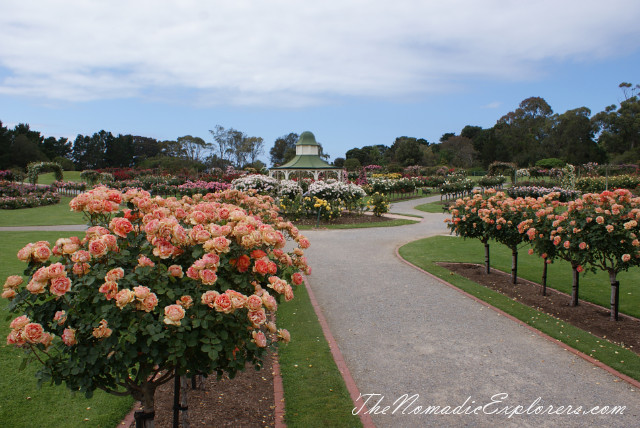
(307, 139)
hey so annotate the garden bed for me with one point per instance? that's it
(587, 316)
(245, 401)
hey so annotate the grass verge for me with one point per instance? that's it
(426, 252)
(314, 390)
(22, 403)
(49, 215)
(430, 207)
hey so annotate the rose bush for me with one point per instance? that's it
(162, 288)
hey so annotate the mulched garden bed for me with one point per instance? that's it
(586, 316)
(245, 401)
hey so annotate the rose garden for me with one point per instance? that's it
(185, 276)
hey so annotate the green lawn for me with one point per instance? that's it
(49, 177)
(22, 403)
(315, 393)
(431, 207)
(42, 216)
(426, 252)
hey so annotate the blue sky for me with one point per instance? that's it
(354, 72)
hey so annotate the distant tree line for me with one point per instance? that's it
(528, 134)
(22, 145)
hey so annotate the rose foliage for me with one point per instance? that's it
(164, 287)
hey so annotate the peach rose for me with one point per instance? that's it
(297, 278)
(269, 301)
(145, 261)
(259, 338)
(121, 226)
(41, 275)
(261, 266)
(55, 270)
(114, 275)
(41, 253)
(81, 268)
(173, 314)
(36, 287)
(13, 281)
(102, 331)
(223, 304)
(19, 322)
(148, 303)
(124, 297)
(81, 256)
(253, 302)
(109, 289)
(238, 300)
(141, 292)
(33, 333)
(243, 263)
(60, 286)
(185, 301)
(60, 317)
(175, 271)
(8, 293)
(69, 337)
(626, 257)
(208, 276)
(284, 335)
(25, 253)
(257, 318)
(97, 248)
(208, 298)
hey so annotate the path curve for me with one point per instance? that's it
(403, 332)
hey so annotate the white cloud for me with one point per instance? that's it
(492, 105)
(287, 52)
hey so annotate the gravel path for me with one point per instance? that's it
(402, 332)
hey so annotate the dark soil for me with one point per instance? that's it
(244, 401)
(586, 316)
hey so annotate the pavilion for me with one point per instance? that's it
(307, 159)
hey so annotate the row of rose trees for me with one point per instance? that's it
(596, 231)
(161, 289)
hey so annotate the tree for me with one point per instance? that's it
(572, 138)
(53, 148)
(524, 130)
(193, 148)
(89, 152)
(119, 151)
(458, 151)
(284, 149)
(338, 162)
(144, 148)
(228, 142)
(406, 150)
(446, 136)
(254, 147)
(619, 129)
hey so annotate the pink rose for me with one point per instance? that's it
(193, 273)
(175, 271)
(20, 322)
(284, 335)
(208, 276)
(102, 330)
(297, 278)
(41, 253)
(269, 302)
(259, 338)
(148, 303)
(60, 286)
(173, 314)
(8, 293)
(141, 292)
(41, 275)
(36, 287)
(60, 317)
(81, 268)
(254, 303)
(13, 281)
(56, 270)
(121, 226)
(257, 318)
(261, 266)
(97, 248)
(626, 257)
(33, 333)
(109, 289)
(114, 275)
(25, 253)
(124, 297)
(69, 337)
(145, 261)
(185, 301)
(223, 304)
(81, 256)
(238, 300)
(208, 298)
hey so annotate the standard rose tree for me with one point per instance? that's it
(163, 288)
